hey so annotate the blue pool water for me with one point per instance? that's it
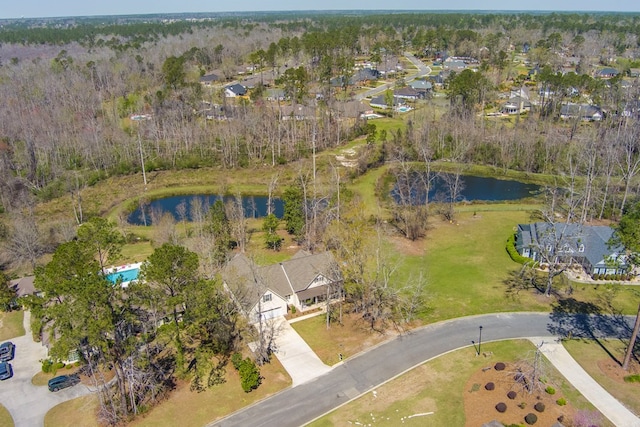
(127, 275)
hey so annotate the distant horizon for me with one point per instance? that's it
(334, 11)
(37, 9)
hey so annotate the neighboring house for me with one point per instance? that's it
(350, 109)
(275, 94)
(234, 91)
(268, 291)
(423, 87)
(297, 112)
(634, 72)
(572, 243)
(408, 93)
(209, 79)
(365, 74)
(454, 65)
(24, 286)
(516, 105)
(381, 102)
(606, 73)
(586, 112)
(632, 109)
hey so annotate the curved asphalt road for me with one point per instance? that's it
(299, 405)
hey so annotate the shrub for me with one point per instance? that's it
(46, 366)
(490, 386)
(562, 401)
(56, 366)
(539, 407)
(236, 360)
(499, 366)
(550, 390)
(501, 407)
(249, 375)
(513, 252)
(293, 309)
(512, 395)
(531, 419)
(522, 405)
(632, 378)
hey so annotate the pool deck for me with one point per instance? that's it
(120, 268)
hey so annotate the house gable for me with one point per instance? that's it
(587, 245)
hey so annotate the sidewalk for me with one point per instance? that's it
(587, 386)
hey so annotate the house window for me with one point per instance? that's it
(581, 248)
(548, 248)
(266, 297)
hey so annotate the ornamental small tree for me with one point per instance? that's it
(271, 238)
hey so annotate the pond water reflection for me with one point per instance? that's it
(189, 206)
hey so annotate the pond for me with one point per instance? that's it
(188, 205)
(472, 188)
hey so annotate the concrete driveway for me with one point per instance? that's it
(26, 402)
(300, 361)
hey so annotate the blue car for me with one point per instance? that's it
(5, 371)
(7, 351)
(63, 381)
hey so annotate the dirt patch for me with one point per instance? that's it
(480, 403)
(612, 369)
(408, 247)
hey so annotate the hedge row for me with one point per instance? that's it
(623, 277)
(515, 256)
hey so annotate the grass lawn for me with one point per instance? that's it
(350, 338)
(594, 358)
(465, 263)
(437, 386)
(184, 407)
(189, 408)
(80, 412)
(11, 325)
(5, 417)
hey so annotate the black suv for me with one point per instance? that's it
(5, 371)
(7, 351)
(63, 381)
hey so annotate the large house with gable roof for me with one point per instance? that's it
(572, 243)
(268, 291)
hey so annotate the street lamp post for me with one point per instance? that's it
(480, 341)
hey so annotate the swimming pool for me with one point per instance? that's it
(125, 274)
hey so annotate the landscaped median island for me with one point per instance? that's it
(454, 390)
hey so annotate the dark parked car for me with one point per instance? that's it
(7, 351)
(5, 370)
(63, 381)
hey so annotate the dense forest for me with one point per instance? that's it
(89, 98)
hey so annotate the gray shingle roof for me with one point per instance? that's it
(248, 282)
(594, 240)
